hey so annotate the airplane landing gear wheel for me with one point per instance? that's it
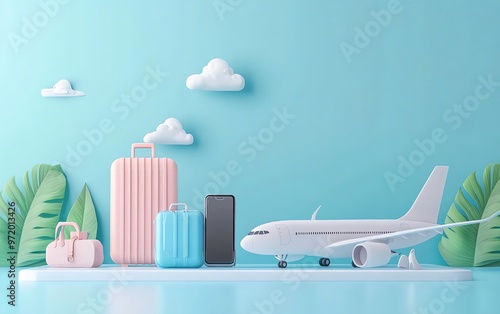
(282, 264)
(324, 261)
(354, 265)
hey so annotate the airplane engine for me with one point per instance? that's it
(371, 254)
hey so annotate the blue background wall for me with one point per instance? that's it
(363, 87)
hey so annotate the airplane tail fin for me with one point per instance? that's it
(427, 204)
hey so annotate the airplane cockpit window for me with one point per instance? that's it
(258, 232)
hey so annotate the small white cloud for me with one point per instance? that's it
(170, 133)
(61, 89)
(216, 76)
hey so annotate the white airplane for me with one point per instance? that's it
(370, 243)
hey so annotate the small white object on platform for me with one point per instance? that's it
(245, 273)
(412, 261)
(403, 262)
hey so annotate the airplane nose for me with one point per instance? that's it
(245, 244)
(264, 243)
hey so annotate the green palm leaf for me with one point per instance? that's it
(83, 213)
(479, 244)
(38, 207)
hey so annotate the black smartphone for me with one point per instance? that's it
(219, 230)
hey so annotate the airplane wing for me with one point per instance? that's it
(400, 239)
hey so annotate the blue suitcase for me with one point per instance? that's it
(179, 237)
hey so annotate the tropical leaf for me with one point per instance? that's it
(479, 244)
(38, 207)
(83, 213)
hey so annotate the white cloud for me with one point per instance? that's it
(170, 133)
(216, 76)
(61, 89)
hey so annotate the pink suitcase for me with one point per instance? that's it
(140, 188)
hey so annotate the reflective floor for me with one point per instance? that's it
(120, 296)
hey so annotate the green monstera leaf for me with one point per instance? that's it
(83, 213)
(37, 208)
(479, 244)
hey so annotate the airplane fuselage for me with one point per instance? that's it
(310, 237)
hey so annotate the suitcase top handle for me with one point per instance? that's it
(171, 207)
(143, 145)
(74, 236)
(61, 234)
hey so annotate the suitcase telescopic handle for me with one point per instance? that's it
(143, 145)
(171, 207)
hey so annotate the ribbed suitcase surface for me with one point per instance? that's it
(140, 188)
(179, 238)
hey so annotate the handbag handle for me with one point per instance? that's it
(61, 234)
(143, 145)
(170, 208)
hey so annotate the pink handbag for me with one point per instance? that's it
(78, 251)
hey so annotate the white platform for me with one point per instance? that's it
(245, 273)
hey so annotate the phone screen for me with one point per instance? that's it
(219, 230)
